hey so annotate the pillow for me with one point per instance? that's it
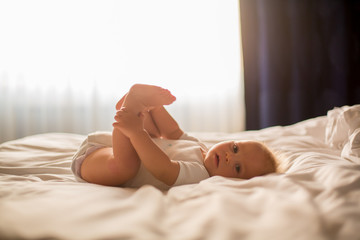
(351, 150)
(341, 123)
(343, 131)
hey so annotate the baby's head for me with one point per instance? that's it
(240, 159)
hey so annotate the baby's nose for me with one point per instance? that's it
(227, 157)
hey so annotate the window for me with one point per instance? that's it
(64, 64)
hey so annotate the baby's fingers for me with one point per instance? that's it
(121, 113)
(117, 118)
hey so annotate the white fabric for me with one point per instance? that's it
(342, 122)
(343, 131)
(91, 143)
(186, 151)
(317, 197)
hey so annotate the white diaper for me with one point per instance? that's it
(93, 142)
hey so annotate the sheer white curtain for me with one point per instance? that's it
(64, 64)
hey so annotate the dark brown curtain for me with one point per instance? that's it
(301, 58)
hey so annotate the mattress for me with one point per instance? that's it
(316, 197)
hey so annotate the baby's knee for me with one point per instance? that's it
(123, 170)
(101, 167)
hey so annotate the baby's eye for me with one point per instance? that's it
(235, 148)
(237, 168)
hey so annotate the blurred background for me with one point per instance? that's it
(233, 65)
(64, 64)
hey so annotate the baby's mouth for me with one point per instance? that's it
(217, 160)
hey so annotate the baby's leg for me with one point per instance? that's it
(149, 124)
(106, 166)
(166, 124)
(158, 122)
(116, 165)
(112, 166)
(101, 166)
(143, 97)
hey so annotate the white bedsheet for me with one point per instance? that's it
(317, 198)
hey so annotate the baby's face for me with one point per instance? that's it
(238, 159)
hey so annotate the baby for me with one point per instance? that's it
(147, 146)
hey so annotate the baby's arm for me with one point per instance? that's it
(153, 158)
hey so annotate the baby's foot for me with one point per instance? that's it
(141, 97)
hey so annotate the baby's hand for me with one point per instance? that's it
(129, 122)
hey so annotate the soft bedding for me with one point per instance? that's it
(317, 197)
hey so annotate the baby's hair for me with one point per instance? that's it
(281, 162)
(274, 157)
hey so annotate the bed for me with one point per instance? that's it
(317, 197)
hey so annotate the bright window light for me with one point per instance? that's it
(191, 47)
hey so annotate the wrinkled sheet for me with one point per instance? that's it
(318, 197)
